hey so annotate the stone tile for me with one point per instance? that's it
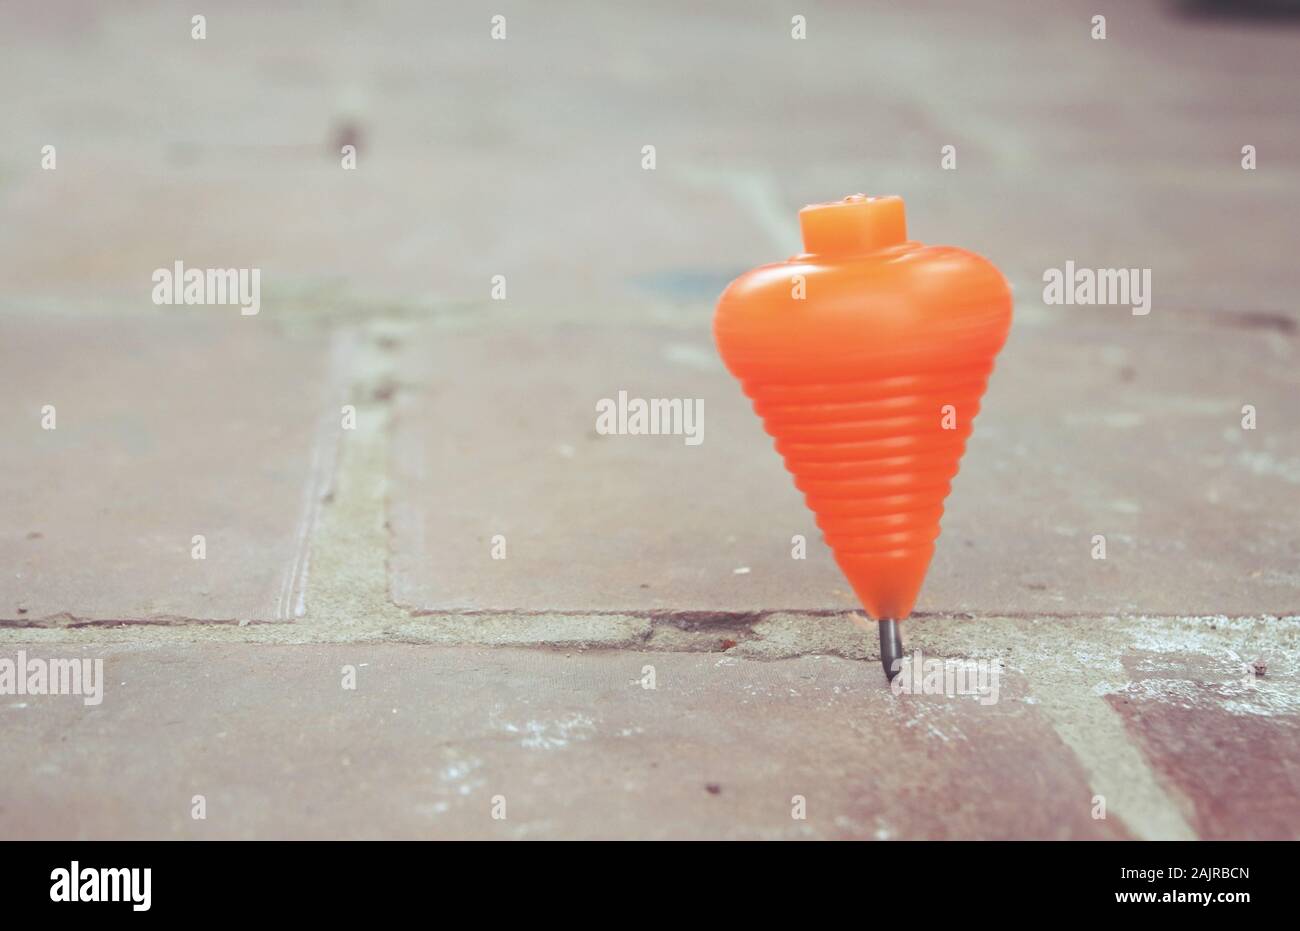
(1133, 431)
(392, 231)
(1130, 430)
(496, 436)
(573, 744)
(497, 165)
(1222, 739)
(522, 157)
(166, 427)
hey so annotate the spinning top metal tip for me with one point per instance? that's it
(891, 648)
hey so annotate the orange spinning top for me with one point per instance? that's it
(867, 357)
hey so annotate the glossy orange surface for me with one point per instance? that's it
(867, 357)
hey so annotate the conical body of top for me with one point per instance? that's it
(867, 357)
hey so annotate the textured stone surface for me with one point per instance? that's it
(166, 427)
(496, 436)
(1221, 736)
(523, 157)
(574, 744)
(1130, 430)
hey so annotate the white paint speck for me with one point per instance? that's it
(551, 735)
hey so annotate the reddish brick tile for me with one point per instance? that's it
(575, 746)
(1222, 741)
